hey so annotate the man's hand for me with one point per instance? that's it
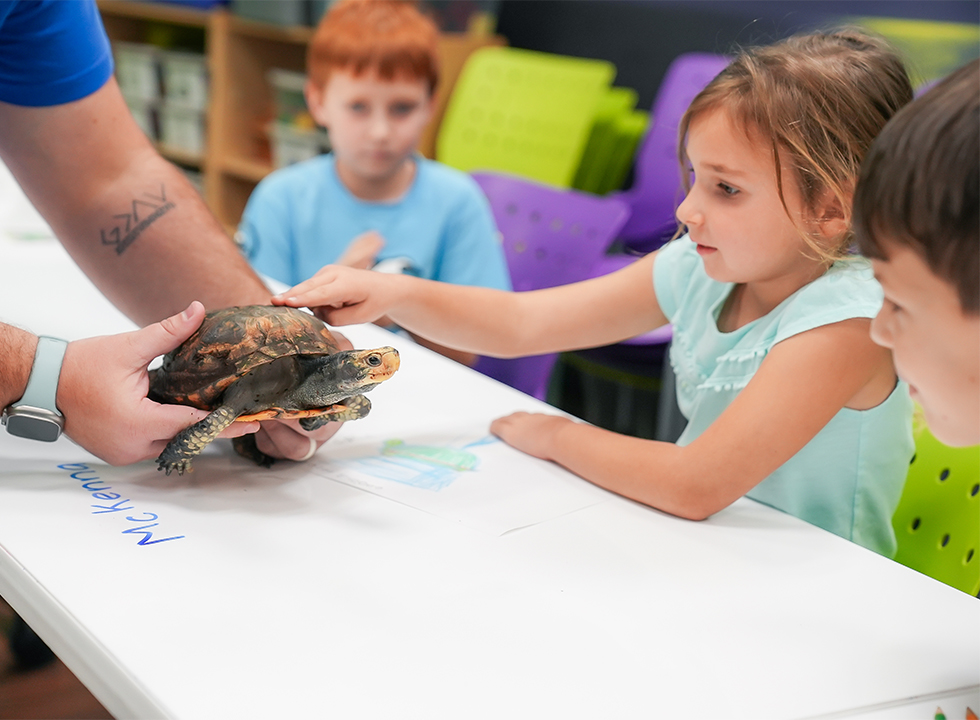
(103, 386)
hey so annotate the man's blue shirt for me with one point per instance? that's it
(51, 51)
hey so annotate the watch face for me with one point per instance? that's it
(33, 427)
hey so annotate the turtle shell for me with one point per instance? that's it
(230, 343)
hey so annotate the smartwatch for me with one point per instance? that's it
(36, 416)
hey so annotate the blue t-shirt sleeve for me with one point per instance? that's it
(265, 232)
(471, 253)
(51, 51)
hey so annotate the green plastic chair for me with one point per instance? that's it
(628, 129)
(930, 49)
(937, 522)
(603, 137)
(524, 113)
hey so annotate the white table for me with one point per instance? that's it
(294, 595)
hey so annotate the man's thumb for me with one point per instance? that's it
(162, 337)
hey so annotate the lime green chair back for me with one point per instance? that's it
(616, 103)
(937, 522)
(524, 113)
(628, 130)
(931, 49)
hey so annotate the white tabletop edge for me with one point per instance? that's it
(82, 653)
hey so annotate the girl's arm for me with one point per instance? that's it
(803, 382)
(596, 312)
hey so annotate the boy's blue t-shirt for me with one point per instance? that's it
(303, 217)
(51, 51)
(849, 477)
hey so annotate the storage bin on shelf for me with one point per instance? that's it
(288, 99)
(185, 78)
(291, 144)
(137, 70)
(293, 134)
(277, 12)
(182, 128)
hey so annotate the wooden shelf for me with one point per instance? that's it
(162, 12)
(253, 170)
(181, 157)
(296, 34)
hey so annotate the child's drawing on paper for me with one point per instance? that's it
(427, 467)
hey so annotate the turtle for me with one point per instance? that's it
(256, 362)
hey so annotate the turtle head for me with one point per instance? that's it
(349, 372)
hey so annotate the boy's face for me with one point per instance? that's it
(374, 124)
(935, 345)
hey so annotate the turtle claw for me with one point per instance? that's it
(181, 466)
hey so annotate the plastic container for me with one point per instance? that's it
(292, 145)
(137, 70)
(182, 128)
(199, 4)
(185, 78)
(288, 98)
(277, 12)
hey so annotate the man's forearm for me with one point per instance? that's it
(128, 217)
(152, 246)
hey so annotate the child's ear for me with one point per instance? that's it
(315, 96)
(831, 219)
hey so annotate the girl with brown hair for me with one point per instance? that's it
(787, 398)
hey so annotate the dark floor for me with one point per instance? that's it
(50, 692)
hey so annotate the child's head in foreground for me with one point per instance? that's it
(807, 108)
(372, 68)
(916, 216)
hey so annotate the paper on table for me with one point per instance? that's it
(466, 476)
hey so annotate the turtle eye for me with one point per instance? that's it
(374, 360)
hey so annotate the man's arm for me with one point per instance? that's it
(128, 217)
(141, 232)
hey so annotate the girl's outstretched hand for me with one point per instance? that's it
(342, 295)
(531, 433)
(103, 386)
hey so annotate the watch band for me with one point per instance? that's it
(42, 387)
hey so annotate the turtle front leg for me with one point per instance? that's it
(190, 441)
(353, 408)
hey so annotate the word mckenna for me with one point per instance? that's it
(90, 480)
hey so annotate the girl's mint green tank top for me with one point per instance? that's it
(849, 477)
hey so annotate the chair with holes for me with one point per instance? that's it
(550, 237)
(937, 522)
(656, 189)
(522, 112)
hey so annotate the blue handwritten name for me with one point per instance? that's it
(91, 482)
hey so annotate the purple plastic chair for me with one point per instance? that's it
(656, 189)
(550, 237)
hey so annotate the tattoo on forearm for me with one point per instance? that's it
(129, 226)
